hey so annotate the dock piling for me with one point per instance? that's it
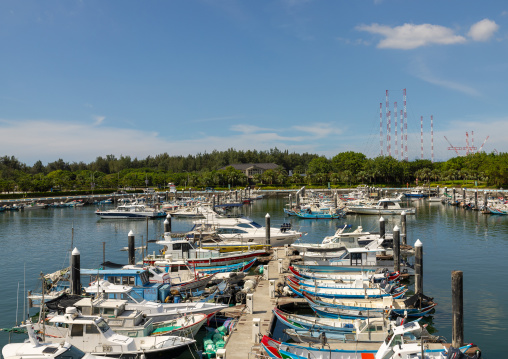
(403, 227)
(256, 329)
(382, 227)
(250, 303)
(457, 309)
(75, 272)
(418, 267)
(131, 253)
(167, 224)
(267, 227)
(396, 249)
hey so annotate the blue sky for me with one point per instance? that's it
(81, 79)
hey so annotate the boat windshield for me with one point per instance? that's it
(136, 297)
(103, 326)
(71, 353)
(256, 224)
(157, 270)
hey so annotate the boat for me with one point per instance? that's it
(359, 259)
(158, 311)
(133, 323)
(319, 213)
(245, 230)
(415, 306)
(348, 293)
(34, 349)
(345, 277)
(199, 211)
(176, 249)
(93, 335)
(131, 211)
(416, 193)
(395, 345)
(385, 206)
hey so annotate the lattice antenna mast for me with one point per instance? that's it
(405, 124)
(401, 135)
(467, 143)
(472, 139)
(452, 147)
(387, 126)
(484, 143)
(432, 137)
(381, 126)
(395, 119)
(421, 135)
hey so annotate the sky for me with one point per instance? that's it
(82, 79)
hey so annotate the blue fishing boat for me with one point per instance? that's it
(414, 306)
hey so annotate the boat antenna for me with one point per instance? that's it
(17, 304)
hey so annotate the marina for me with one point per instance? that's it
(453, 239)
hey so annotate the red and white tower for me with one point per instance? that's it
(432, 137)
(387, 126)
(401, 135)
(381, 126)
(421, 134)
(405, 124)
(395, 134)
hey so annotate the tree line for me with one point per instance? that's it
(211, 169)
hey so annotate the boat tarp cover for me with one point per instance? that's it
(417, 300)
(60, 303)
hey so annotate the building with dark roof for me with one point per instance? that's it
(251, 169)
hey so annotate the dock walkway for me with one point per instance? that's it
(241, 344)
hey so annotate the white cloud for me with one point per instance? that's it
(247, 128)
(410, 36)
(319, 130)
(98, 120)
(483, 30)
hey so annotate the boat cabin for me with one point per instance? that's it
(138, 279)
(131, 323)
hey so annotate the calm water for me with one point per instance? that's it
(453, 239)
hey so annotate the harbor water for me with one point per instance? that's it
(38, 241)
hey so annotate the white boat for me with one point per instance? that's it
(133, 323)
(33, 349)
(245, 230)
(158, 311)
(384, 206)
(93, 335)
(337, 242)
(178, 249)
(199, 211)
(130, 211)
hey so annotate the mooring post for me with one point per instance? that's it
(437, 188)
(213, 203)
(396, 249)
(167, 224)
(267, 227)
(464, 196)
(457, 309)
(476, 199)
(485, 199)
(190, 193)
(453, 195)
(76, 272)
(382, 227)
(236, 196)
(130, 238)
(335, 195)
(403, 227)
(418, 267)
(446, 190)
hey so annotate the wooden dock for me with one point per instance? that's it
(244, 340)
(242, 344)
